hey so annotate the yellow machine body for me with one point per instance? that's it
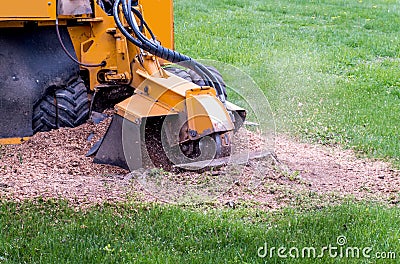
(39, 10)
(94, 38)
(159, 15)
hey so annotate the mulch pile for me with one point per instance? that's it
(53, 165)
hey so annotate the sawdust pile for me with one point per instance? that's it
(53, 165)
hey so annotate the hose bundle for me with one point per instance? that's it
(153, 47)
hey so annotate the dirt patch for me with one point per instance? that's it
(313, 176)
(332, 169)
(53, 165)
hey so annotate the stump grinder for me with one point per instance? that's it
(60, 60)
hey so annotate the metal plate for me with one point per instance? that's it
(28, 10)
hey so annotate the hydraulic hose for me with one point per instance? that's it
(153, 47)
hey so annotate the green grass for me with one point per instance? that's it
(52, 232)
(330, 69)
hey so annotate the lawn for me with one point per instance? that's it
(330, 69)
(47, 232)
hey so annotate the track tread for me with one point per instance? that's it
(44, 115)
(67, 107)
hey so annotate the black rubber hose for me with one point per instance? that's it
(139, 15)
(121, 27)
(102, 64)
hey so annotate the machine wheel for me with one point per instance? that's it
(195, 78)
(64, 107)
(179, 72)
(192, 76)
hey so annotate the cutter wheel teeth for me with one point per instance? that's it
(171, 158)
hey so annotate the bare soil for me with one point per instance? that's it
(311, 175)
(53, 165)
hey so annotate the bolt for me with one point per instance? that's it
(193, 133)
